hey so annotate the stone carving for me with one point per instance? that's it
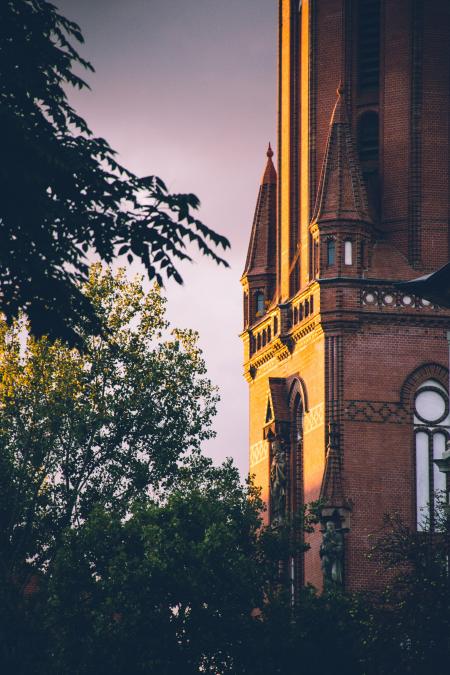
(278, 481)
(332, 556)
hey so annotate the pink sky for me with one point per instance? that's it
(186, 89)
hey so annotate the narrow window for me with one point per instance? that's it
(348, 252)
(432, 426)
(316, 258)
(368, 143)
(369, 156)
(275, 325)
(331, 252)
(311, 255)
(296, 481)
(368, 45)
(260, 309)
(363, 255)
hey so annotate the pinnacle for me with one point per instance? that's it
(261, 251)
(340, 115)
(342, 194)
(270, 175)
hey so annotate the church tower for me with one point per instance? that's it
(348, 376)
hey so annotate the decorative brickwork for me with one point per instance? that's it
(363, 201)
(376, 412)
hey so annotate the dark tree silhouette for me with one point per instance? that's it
(62, 191)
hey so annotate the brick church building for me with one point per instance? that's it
(348, 375)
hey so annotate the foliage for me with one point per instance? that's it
(63, 191)
(412, 632)
(98, 428)
(169, 590)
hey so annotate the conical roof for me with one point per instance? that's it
(261, 256)
(342, 193)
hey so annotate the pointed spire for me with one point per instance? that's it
(270, 175)
(331, 492)
(342, 193)
(261, 257)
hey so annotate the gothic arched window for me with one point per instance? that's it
(431, 431)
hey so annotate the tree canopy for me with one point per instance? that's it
(63, 192)
(122, 548)
(105, 426)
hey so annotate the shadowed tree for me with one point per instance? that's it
(62, 191)
(103, 426)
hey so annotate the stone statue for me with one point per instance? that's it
(332, 555)
(278, 481)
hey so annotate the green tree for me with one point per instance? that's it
(101, 427)
(63, 193)
(169, 590)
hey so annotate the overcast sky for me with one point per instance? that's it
(186, 90)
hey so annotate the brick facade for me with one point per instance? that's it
(361, 200)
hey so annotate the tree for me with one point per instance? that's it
(63, 193)
(169, 590)
(101, 427)
(411, 632)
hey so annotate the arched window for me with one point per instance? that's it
(259, 303)
(368, 45)
(275, 325)
(348, 252)
(431, 431)
(331, 252)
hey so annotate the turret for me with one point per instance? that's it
(341, 229)
(259, 277)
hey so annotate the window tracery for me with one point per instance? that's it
(431, 432)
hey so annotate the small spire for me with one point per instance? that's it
(340, 115)
(270, 175)
(261, 257)
(341, 193)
